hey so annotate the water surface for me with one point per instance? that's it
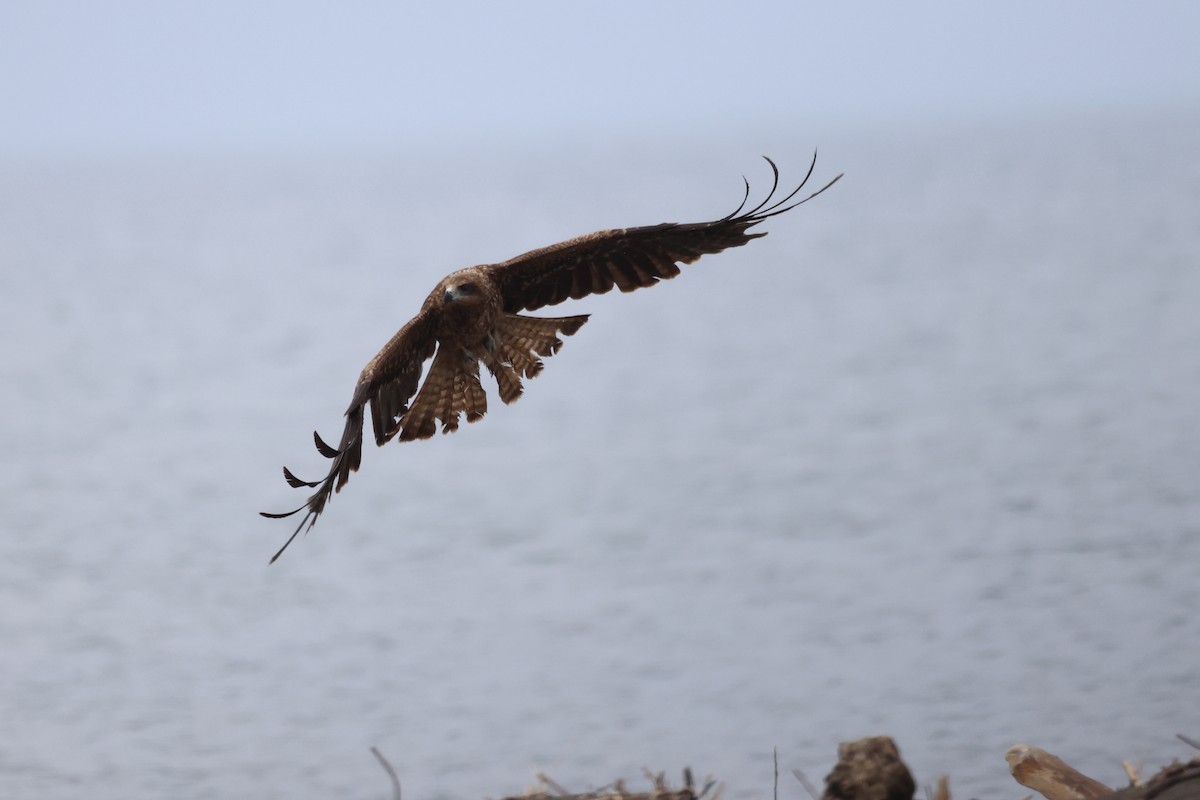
(924, 462)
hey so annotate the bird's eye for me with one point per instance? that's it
(468, 288)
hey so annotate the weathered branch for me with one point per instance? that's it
(1050, 776)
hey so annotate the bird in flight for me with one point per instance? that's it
(472, 317)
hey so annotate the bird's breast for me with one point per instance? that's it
(468, 324)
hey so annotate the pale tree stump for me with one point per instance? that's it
(1050, 776)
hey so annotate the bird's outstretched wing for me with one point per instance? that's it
(387, 383)
(631, 258)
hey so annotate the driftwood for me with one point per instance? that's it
(869, 769)
(1048, 775)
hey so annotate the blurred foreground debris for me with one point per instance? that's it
(661, 789)
(871, 769)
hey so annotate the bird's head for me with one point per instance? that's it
(460, 292)
(466, 288)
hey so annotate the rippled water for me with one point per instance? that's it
(923, 462)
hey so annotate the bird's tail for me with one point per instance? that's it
(451, 388)
(520, 340)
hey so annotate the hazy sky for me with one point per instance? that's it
(132, 76)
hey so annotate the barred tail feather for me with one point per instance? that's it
(520, 340)
(451, 388)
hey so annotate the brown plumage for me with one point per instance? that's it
(472, 317)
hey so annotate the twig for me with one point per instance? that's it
(1132, 772)
(775, 756)
(552, 784)
(657, 779)
(943, 788)
(1188, 740)
(807, 784)
(388, 769)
